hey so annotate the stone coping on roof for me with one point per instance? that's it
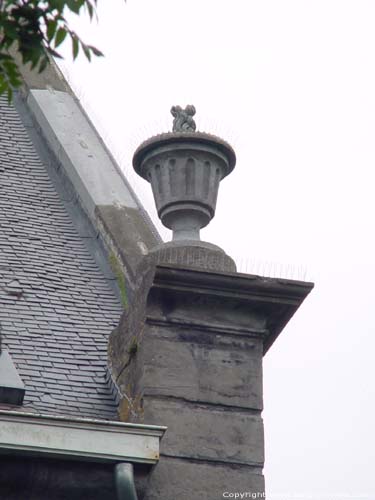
(101, 188)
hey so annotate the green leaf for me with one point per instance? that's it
(90, 9)
(10, 94)
(54, 53)
(75, 5)
(96, 51)
(51, 29)
(34, 61)
(3, 86)
(43, 65)
(57, 4)
(5, 57)
(60, 36)
(9, 78)
(75, 46)
(35, 28)
(86, 51)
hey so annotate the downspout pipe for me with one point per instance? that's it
(124, 478)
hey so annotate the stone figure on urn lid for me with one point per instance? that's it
(183, 121)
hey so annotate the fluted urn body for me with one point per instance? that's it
(184, 169)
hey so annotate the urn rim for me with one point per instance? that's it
(191, 139)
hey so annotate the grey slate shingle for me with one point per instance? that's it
(57, 309)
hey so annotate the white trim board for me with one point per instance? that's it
(68, 438)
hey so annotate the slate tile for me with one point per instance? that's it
(57, 329)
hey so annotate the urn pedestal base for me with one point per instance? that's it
(193, 254)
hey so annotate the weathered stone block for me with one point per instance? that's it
(208, 432)
(183, 480)
(203, 366)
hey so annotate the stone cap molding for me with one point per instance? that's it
(272, 300)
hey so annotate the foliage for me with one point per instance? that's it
(36, 28)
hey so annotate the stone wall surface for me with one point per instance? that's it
(208, 432)
(186, 480)
(220, 368)
(188, 354)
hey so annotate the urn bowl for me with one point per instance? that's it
(184, 169)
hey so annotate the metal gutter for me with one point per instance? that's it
(78, 438)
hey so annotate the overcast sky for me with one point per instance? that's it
(291, 84)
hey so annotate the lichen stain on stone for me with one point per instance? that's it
(116, 268)
(131, 409)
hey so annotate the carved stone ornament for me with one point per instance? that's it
(184, 168)
(183, 121)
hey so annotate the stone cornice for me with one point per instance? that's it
(273, 300)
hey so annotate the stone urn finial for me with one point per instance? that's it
(184, 168)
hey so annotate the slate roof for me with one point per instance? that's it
(57, 307)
